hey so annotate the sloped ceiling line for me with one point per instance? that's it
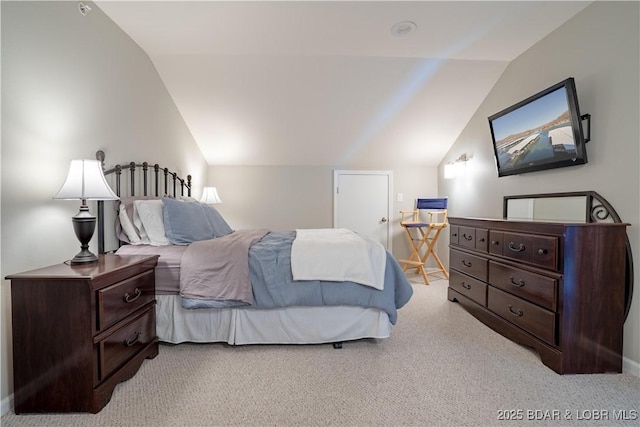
(326, 83)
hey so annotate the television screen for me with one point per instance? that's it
(542, 132)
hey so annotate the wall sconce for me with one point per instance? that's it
(85, 182)
(210, 196)
(457, 167)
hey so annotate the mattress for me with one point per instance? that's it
(168, 268)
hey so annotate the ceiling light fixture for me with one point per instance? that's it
(84, 9)
(403, 28)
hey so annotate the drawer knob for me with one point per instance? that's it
(465, 285)
(519, 248)
(135, 339)
(495, 242)
(520, 283)
(481, 239)
(542, 251)
(517, 313)
(128, 298)
(454, 234)
(467, 237)
(466, 263)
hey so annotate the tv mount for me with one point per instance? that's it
(587, 133)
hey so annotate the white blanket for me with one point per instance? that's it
(338, 255)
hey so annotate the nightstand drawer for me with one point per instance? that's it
(535, 320)
(123, 298)
(126, 341)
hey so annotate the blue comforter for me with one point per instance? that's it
(273, 285)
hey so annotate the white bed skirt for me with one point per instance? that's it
(292, 325)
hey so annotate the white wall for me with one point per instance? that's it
(71, 85)
(289, 197)
(600, 49)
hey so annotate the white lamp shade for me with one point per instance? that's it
(210, 196)
(86, 182)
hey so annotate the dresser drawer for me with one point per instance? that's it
(454, 233)
(468, 286)
(126, 341)
(123, 298)
(496, 242)
(535, 288)
(469, 264)
(545, 252)
(517, 246)
(535, 320)
(467, 237)
(482, 239)
(539, 250)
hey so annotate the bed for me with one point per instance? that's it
(216, 284)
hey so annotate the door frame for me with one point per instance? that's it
(389, 175)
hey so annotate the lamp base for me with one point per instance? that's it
(84, 224)
(83, 257)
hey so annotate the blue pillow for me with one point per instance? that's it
(185, 222)
(218, 225)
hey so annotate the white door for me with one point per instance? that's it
(362, 203)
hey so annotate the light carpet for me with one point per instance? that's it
(440, 367)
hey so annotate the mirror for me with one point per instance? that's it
(550, 209)
(576, 207)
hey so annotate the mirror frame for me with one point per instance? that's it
(597, 209)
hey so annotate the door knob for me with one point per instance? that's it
(383, 219)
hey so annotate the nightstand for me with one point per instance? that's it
(80, 330)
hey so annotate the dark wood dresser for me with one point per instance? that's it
(80, 330)
(558, 288)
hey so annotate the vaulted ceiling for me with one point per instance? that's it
(327, 82)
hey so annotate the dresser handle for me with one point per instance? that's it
(542, 251)
(520, 247)
(127, 298)
(518, 313)
(519, 283)
(466, 263)
(495, 242)
(129, 343)
(467, 238)
(481, 239)
(454, 234)
(466, 285)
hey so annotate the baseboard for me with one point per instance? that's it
(630, 367)
(6, 404)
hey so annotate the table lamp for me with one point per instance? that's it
(85, 182)
(210, 196)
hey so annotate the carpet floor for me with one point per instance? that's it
(440, 367)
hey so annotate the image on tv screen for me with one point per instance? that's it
(536, 133)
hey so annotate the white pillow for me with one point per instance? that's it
(151, 226)
(127, 227)
(137, 222)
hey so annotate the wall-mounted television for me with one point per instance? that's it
(542, 132)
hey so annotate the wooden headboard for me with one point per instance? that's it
(142, 179)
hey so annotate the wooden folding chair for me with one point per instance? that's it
(426, 235)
